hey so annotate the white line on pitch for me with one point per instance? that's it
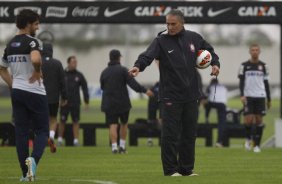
(70, 180)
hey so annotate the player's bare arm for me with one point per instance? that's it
(134, 71)
(6, 76)
(36, 62)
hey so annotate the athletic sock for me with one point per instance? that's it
(248, 131)
(258, 134)
(114, 146)
(122, 143)
(75, 141)
(60, 139)
(52, 134)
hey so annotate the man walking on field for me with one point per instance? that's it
(29, 100)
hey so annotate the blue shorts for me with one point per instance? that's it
(30, 111)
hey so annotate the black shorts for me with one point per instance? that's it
(53, 109)
(254, 106)
(114, 118)
(74, 112)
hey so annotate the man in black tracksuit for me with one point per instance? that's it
(115, 100)
(179, 91)
(54, 81)
(74, 81)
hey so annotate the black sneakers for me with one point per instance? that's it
(122, 150)
(115, 151)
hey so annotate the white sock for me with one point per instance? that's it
(114, 146)
(52, 134)
(75, 141)
(122, 143)
(60, 139)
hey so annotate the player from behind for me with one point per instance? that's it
(254, 89)
(115, 99)
(54, 82)
(29, 101)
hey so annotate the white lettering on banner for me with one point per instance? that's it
(257, 11)
(188, 11)
(53, 11)
(90, 11)
(191, 11)
(33, 8)
(4, 11)
(141, 11)
(214, 13)
(110, 13)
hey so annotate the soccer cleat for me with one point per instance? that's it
(150, 143)
(257, 149)
(176, 174)
(248, 145)
(122, 150)
(52, 145)
(114, 151)
(76, 144)
(218, 145)
(193, 174)
(24, 179)
(31, 166)
(60, 143)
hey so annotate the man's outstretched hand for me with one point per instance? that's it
(133, 71)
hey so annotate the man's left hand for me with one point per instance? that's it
(36, 76)
(215, 70)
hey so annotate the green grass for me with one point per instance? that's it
(142, 165)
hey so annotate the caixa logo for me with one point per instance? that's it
(33, 8)
(143, 11)
(257, 11)
(53, 11)
(188, 11)
(90, 11)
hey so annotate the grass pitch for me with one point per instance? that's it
(84, 165)
(142, 165)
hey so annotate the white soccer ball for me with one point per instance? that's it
(204, 58)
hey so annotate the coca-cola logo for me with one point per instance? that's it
(90, 11)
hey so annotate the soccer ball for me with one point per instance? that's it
(203, 59)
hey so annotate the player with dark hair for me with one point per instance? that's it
(74, 81)
(176, 49)
(28, 94)
(254, 89)
(54, 81)
(115, 100)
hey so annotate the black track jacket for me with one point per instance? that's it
(177, 55)
(113, 81)
(75, 80)
(53, 76)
